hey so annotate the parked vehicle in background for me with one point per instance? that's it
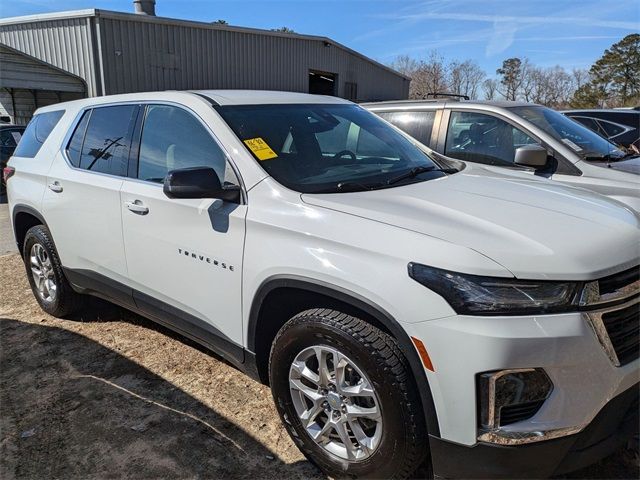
(620, 126)
(519, 136)
(402, 307)
(9, 137)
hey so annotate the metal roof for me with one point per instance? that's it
(23, 71)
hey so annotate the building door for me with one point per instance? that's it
(322, 83)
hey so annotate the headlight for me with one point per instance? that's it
(478, 295)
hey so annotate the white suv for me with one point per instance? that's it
(403, 308)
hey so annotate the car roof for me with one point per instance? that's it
(619, 111)
(257, 97)
(441, 102)
(220, 97)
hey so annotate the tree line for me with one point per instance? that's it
(612, 81)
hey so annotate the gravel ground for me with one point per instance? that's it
(108, 394)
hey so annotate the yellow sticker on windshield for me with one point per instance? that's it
(260, 148)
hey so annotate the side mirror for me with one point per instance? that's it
(531, 156)
(198, 182)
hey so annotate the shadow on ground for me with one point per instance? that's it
(73, 408)
(72, 405)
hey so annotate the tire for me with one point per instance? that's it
(40, 255)
(392, 446)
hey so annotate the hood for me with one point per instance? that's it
(631, 165)
(534, 228)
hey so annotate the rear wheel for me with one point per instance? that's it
(45, 275)
(344, 392)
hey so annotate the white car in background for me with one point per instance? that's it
(519, 136)
(404, 308)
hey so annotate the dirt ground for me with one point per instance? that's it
(111, 395)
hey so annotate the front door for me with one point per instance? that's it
(184, 256)
(484, 138)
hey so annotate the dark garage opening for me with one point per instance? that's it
(322, 83)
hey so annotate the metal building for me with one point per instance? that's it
(54, 57)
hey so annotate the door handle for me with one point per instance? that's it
(55, 187)
(137, 207)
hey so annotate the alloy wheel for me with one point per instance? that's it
(335, 402)
(43, 274)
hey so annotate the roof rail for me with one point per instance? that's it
(452, 95)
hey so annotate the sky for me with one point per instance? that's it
(569, 33)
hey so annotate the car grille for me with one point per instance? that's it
(618, 281)
(623, 328)
(518, 412)
(615, 314)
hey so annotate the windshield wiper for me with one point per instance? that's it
(414, 172)
(607, 157)
(356, 186)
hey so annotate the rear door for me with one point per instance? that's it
(184, 256)
(82, 199)
(419, 124)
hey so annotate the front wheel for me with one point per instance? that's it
(345, 394)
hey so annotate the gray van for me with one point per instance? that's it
(522, 136)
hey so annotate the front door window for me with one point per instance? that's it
(482, 138)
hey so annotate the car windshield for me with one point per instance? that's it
(326, 148)
(577, 137)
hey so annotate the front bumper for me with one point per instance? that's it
(612, 427)
(565, 346)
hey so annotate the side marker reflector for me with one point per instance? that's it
(422, 351)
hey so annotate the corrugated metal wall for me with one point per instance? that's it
(26, 84)
(25, 103)
(65, 43)
(147, 53)
(141, 54)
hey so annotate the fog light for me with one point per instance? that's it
(510, 396)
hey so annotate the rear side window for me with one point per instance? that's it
(589, 123)
(37, 132)
(74, 149)
(612, 129)
(107, 139)
(417, 124)
(9, 138)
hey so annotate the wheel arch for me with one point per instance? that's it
(262, 327)
(23, 218)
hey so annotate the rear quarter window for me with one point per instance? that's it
(37, 132)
